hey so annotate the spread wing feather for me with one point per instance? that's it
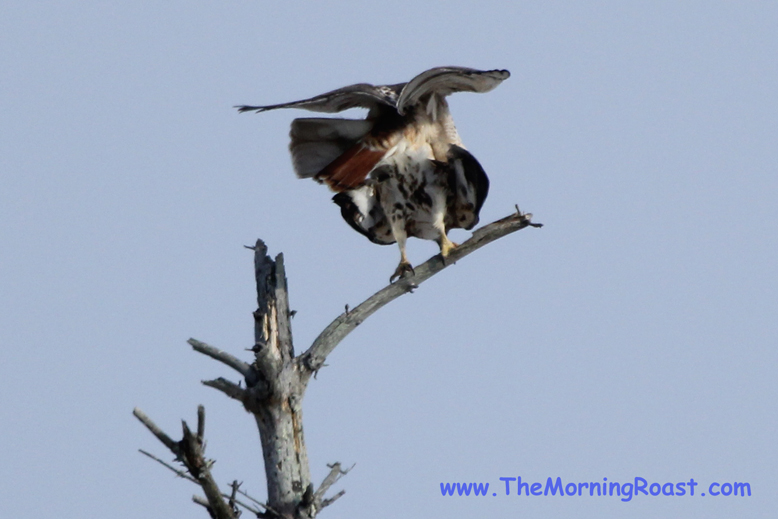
(447, 80)
(362, 95)
(315, 143)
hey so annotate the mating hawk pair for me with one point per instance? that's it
(402, 171)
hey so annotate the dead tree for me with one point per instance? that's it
(274, 384)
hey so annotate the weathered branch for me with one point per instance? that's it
(276, 398)
(156, 431)
(335, 474)
(179, 473)
(231, 389)
(190, 451)
(327, 502)
(272, 329)
(201, 500)
(201, 424)
(232, 501)
(244, 368)
(260, 503)
(250, 508)
(345, 323)
(199, 468)
(282, 307)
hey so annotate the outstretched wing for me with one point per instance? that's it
(447, 80)
(362, 95)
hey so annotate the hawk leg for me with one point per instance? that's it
(405, 266)
(446, 245)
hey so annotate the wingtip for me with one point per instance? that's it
(246, 108)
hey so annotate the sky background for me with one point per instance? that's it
(633, 335)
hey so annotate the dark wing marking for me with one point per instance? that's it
(447, 80)
(315, 143)
(362, 95)
(468, 185)
(362, 211)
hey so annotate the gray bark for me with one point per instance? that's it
(276, 396)
(275, 384)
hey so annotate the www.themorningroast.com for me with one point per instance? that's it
(625, 490)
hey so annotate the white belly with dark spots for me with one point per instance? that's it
(413, 195)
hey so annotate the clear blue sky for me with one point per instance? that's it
(633, 336)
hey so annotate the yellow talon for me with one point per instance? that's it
(446, 246)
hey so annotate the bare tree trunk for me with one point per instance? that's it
(276, 382)
(278, 393)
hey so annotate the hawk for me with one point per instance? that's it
(402, 170)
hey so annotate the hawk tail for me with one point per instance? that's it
(317, 142)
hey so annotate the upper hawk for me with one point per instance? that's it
(402, 170)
